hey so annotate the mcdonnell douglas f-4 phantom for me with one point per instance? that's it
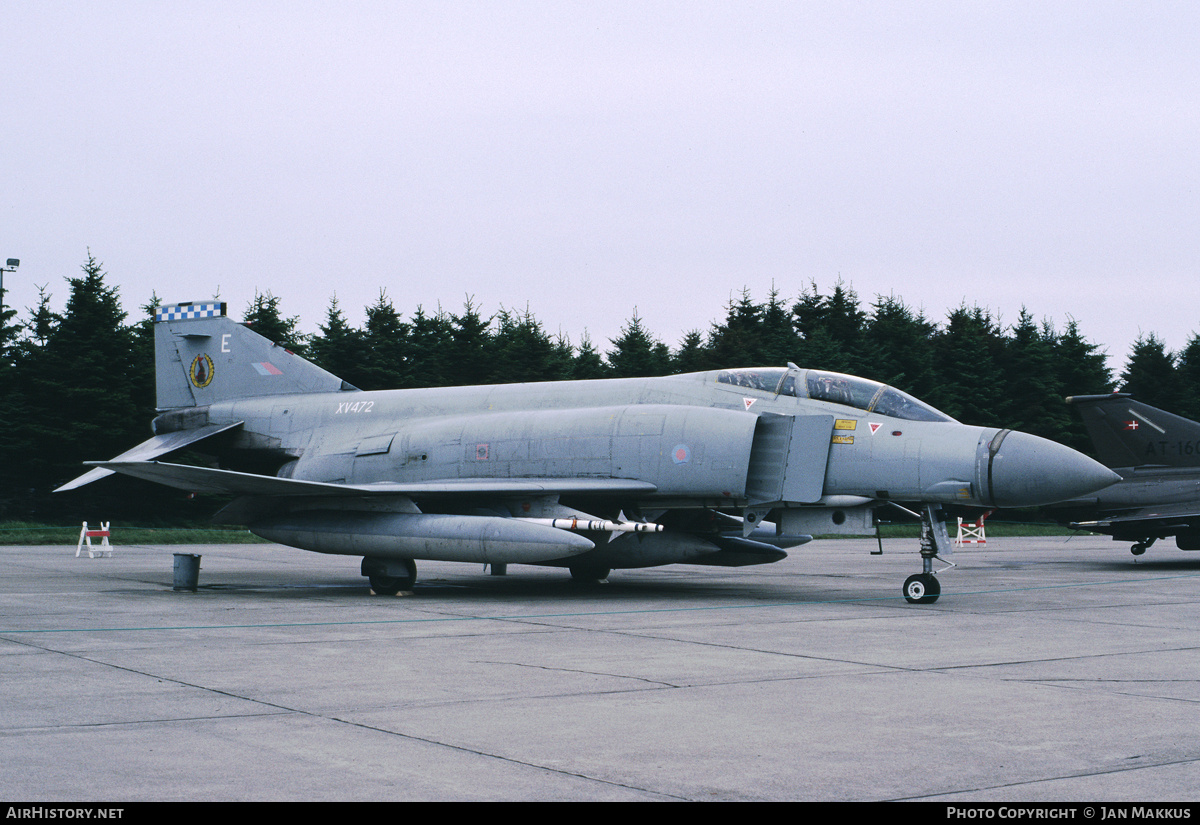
(1157, 455)
(587, 475)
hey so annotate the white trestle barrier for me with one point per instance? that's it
(86, 536)
(971, 532)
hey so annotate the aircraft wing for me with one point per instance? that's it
(156, 447)
(210, 480)
(1173, 515)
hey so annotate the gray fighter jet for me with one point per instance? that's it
(1157, 455)
(587, 475)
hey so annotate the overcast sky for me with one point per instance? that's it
(584, 159)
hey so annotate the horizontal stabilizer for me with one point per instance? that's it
(209, 480)
(156, 447)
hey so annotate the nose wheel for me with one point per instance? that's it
(922, 588)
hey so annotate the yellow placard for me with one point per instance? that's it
(845, 424)
(843, 439)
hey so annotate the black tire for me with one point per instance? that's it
(590, 574)
(384, 584)
(388, 585)
(922, 588)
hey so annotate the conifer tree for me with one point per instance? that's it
(637, 354)
(1035, 393)
(22, 430)
(589, 363)
(845, 320)
(779, 343)
(80, 396)
(42, 322)
(430, 349)
(831, 329)
(263, 316)
(472, 345)
(737, 342)
(967, 356)
(9, 330)
(898, 344)
(339, 348)
(563, 357)
(524, 352)
(1150, 374)
(809, 310)
(143, 358)
(13, 410)
(1083, 367)
(1188, 371)
(385, 341)
(1082, 370)
(692, 355)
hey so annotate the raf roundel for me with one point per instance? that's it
(201, 371)
(681, 454)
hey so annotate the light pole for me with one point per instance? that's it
(10, 266)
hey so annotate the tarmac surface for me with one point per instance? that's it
(1049, 670)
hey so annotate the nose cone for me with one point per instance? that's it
(1026, 471)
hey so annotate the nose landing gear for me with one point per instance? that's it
(924, 587)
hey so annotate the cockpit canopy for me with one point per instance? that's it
(836, 388)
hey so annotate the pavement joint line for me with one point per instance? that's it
(1044, 780)
(277, 709)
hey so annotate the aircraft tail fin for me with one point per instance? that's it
(1128, 433)
(202, 357)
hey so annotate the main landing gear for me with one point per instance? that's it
(390, 576)
(589, 574)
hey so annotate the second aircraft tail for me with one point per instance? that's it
(1128, 433)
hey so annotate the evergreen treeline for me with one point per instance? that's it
(80, 385)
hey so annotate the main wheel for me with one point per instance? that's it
(589, 574)
(390, 585)
(922, 588)
(390, 577)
